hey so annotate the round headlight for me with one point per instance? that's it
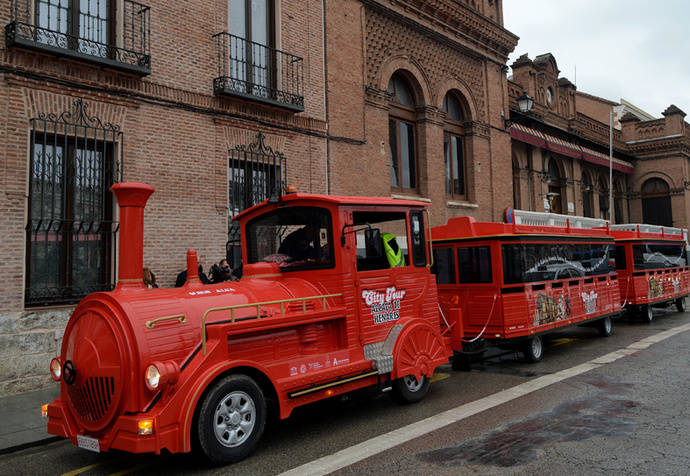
(152, 377)
(56, 369)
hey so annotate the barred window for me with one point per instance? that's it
(70, 230)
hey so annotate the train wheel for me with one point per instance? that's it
(680, 304)
(231, 419)
(410, 390)
(533, 349)
(605, 327)
(647, 314)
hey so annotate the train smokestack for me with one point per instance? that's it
(131, 197)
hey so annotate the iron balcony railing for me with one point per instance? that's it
(257, 72)
(117, 34)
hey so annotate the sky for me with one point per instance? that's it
(638, 50)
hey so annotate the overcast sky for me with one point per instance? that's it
(638, 50)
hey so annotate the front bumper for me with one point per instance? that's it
(122, 434)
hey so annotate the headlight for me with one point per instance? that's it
(56, 369)
(152, 377)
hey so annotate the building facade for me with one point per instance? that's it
(560, 152)
(215, 103)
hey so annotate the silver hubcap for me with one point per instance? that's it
(536, 347)
(412, 384)
(234, 419)
(607, 325)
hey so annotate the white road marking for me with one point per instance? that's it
(373, 446)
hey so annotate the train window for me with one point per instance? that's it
(418, 241)
(296, 238)
(474, 264)
(648, 256)
(392, 227)
(444, 266)
(620, 257)
(526, 263)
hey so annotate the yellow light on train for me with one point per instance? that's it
(44, 411)
(145, 427)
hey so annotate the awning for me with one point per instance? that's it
(546, 141)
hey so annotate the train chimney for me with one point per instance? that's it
(131, 197)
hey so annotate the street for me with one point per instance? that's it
(576, 411)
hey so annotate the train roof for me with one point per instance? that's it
(338, 200)
(644, 232)
(465, 228)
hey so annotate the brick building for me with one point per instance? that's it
(420, 89)
(213, 102)
(560, 152)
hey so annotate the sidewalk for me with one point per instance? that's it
(22, 423)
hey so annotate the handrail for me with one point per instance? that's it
(282, 303)
(179, 317)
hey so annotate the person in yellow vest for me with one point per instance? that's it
(393, 251)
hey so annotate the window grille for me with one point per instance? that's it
(255, 172)
(70, 233)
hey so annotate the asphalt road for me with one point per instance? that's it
(626, 414)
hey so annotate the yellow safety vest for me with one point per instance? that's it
(393, 251)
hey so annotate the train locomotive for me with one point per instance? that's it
(319, 311)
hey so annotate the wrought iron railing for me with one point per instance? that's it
(105, 31)
(258, 72)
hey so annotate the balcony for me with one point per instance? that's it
(258, 73)
(107, 32)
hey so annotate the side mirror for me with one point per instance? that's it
(373, 242)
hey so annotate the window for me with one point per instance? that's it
(555, 193)
(418, 238)
(444, 265)
(656, 202)
(474, 264)
(619, 202)
(603, 198)
(620, 257)
(516, 184)
(587, 196)
(526, 263)
(401, 135)
(659, 256)
(70, 233)
(454, 146)
(296, 238)
(83, 25)
(251, 42)
(371, 256)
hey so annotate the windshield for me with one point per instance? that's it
(296, 238)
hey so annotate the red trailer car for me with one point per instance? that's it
(318, 312)
(509, 285)
(652, 267)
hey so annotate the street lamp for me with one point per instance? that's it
(525, 102)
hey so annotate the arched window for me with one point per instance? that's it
(603, 198)
(401, 134)
(516, 184)
(619, 201)
(656, 202)
(555, 181)
(454, 146)
(587, 195)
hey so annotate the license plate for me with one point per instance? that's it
(88, 443)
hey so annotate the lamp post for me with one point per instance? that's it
(525, 103)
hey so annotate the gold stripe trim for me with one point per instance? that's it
(307, 391)
(262, 275)
(131, 280)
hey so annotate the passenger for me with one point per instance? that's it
(393, 251)
(221, 272)
(182, 277)
(301, 244)
(149, 279)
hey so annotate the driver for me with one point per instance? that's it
(301, 244)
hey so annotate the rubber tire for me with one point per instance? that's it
(533, 349)
(647, 314)
(605, 327)
(680, 304)
(214, 451)
(402, 394)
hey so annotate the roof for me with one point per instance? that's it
(339, 200)
(466, 227)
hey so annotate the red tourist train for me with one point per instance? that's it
(516, 283)
(336, 295)
(652, 267)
